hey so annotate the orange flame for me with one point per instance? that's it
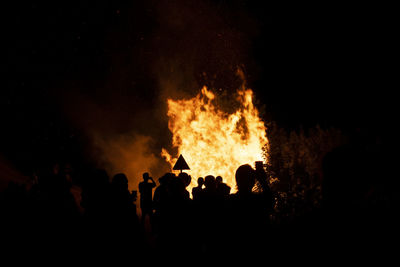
(212, 141)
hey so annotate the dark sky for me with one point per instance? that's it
(77, 65)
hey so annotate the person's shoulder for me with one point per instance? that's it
(233, 197)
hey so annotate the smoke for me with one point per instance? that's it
(8, 173)
(130, 154)
(183, 46)
(121, 135)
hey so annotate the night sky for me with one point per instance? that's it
(77, 67)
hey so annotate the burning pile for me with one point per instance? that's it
(212, 141)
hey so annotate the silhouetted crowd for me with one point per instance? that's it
(53, 217)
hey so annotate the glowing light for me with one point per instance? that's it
(212, 141)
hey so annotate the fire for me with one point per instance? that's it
(212, 141)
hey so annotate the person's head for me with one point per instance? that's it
(186, 178)
(166, 178)
(218, 179)
(209, 182)
(245, 178)
(119, 180)
(146, 176)
(200, 181)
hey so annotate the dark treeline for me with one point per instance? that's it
(294, 167)
(333, 206)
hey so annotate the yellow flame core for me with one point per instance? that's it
(212, 141)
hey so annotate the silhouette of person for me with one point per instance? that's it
(160, 203)
(96, 195)
(249, 210)
(223, 189)
(186, 179)
(121, 199)
(197, 191)
(124, 223)
(210, 185)
(146, 195)
(161, 194)
(208, 214)
(172, 219)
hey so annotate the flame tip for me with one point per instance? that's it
(200, 128)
